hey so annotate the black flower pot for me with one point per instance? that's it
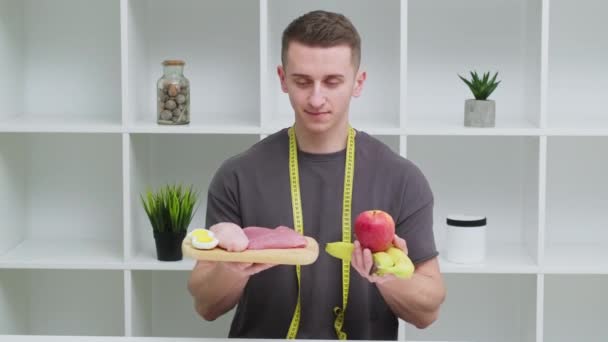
(169, 245)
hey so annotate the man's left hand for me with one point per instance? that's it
(363, 262)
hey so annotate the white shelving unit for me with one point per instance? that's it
(79, 143)
(467, 176)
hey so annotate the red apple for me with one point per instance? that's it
(375, 230)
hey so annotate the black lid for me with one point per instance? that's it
(466, 221)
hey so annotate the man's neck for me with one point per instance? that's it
(330, 141)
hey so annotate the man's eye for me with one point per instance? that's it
(302, 82)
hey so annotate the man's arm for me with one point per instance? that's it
(416, 300)
(215, 289)
(217, 286)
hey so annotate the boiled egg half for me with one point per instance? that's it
(203, 239)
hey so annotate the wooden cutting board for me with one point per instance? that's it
(286, 256)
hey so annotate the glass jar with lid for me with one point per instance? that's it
(173, 94)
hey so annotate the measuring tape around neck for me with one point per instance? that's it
(296, 203)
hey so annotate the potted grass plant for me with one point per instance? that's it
(170, 210)
(480, 112)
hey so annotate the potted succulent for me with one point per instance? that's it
(170, 211)
(480, 112)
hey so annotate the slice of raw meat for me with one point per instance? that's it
(230, 236)
(256, 232)
(279, 237)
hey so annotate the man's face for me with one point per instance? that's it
(320, 83)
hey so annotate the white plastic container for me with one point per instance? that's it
(466, 239)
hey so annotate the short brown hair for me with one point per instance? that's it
(322, 29)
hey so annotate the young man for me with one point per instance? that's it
(320, 73)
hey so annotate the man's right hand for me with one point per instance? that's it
(243, 269)
(217, 286)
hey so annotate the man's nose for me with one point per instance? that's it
(317, 98)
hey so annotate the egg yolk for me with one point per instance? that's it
(202, 235)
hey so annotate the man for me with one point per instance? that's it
(320, 73)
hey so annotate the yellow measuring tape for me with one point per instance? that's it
(296, 203)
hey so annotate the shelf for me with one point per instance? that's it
(576, 259)
(222, 61)
(576, 308)
(578, 124)
(221, 125)
(61, 123)
(152, 301)
(509, 258)
(12, 190)
(147, 260)
(159, 159)
(577, 55)
(509, 44)
(67, 254)
(64, 188)
(577, 197)
(468, 176)
(454, 125)
(74, 76)
(379, 28)
(370, 126)
(197, 126)
(58, 302)
(498, 308)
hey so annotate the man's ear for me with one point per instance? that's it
(281, 73)
(359, 80)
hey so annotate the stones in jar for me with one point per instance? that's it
(173, 95)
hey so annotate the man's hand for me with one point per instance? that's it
(217, 286)
(363, 262)
(243, 269)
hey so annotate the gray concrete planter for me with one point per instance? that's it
(479, 113)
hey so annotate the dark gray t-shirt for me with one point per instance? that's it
(252, 189)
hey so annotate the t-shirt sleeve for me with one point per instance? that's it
(222, 197)
(415, 223)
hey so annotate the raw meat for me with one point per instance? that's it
(279, 237)
(231, 236)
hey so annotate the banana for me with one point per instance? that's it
(340, 250)
(401, 267)
(392, 261)
(383, 263)
(383, 260)
(396, 254)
